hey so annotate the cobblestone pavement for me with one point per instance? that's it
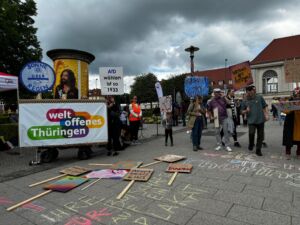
(223, 188)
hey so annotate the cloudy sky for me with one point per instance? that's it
(151, 35)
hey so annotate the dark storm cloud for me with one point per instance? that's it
(145, 34)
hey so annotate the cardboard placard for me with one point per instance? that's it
(75, 170)
(125, 165)
(288, 106)
(170, 158)
(139, 174)
(66, 184)
(241, 75)
(292, 70)
(179, 167)
(107, 174)
(216, 116)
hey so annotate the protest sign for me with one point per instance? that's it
(107, 174)
(111, 80)
(241, 75)
(139, 174)
(288, 106)
(179, 167)
(165, 103)
(196, 86)
(292, 70)
(170, 158)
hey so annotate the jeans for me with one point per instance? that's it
(225, 138)
(260, 135)
(197, 131)
(168, 132)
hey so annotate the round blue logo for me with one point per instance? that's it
(37, 77)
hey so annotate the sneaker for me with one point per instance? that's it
(218, 148)
(199, 148)
(237, 144)
(288, 157)
(250, 148)
(195, 148)
(108, 154)
(228, 149)
(166, 144)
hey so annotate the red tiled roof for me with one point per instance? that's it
(279, 49)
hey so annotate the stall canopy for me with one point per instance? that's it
(8, 82)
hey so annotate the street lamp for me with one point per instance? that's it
(96, 82)
(191, 50)
(224, 84)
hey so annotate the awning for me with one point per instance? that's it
(8, 82)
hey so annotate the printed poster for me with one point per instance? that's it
(52, 124)
(292, 70)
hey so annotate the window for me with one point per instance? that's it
(230, 82)
(220, 82)
(270, 82)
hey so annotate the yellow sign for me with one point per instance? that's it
(71, 79)
(241, 75)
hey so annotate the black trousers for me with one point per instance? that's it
(134, 129)
(169, 132)
(260, 135)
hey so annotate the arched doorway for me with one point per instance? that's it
(270, 82)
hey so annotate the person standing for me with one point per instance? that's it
(195, 122)
(256, 110)
(291, 129)
(135, 117)
(168, 124)
(233, 114)
(218, 103)
(114, 127)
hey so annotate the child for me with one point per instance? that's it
(168, 123)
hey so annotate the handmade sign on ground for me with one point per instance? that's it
(125, 165)
(66, 184)
(170, 158)
(107, 174)
(139, 174)
(72, 171)
(178, 168)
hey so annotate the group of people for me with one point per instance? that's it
(222, 110)
(123, 125)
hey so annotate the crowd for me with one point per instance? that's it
(222, 109)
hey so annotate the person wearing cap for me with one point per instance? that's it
(219, 102)
(256, 110)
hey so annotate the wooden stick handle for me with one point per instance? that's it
(150, 164)
(98, 164)
(28, 200)
(172, 178)
(125, 189)
(45, 181)
(91, 184)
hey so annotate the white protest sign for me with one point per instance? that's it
(111, 80)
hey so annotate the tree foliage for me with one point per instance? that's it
(19, 43)
(144, 88)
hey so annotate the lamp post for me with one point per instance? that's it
(96, 82)
(224, 84)
(191, 50)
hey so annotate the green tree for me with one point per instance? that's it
(144, 88)
(19, 43)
